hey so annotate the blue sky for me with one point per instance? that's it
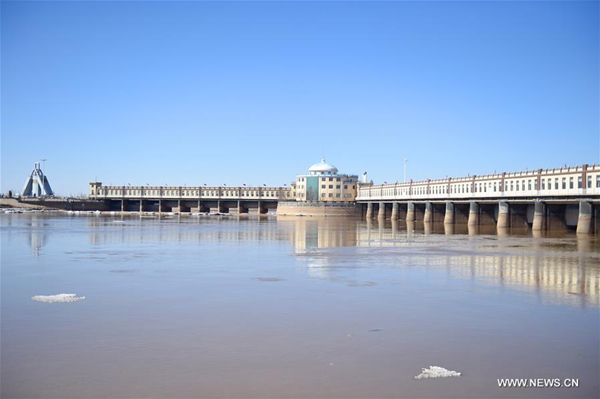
(255, 92)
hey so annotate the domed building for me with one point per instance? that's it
(323, 183)
(322, 168)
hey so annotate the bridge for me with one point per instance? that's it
(189, 199)
(541, 199)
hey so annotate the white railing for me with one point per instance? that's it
(190, 193)
(563, 182)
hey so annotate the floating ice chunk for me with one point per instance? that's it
(437, 372)
(57, 298)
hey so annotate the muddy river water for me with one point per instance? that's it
(267, 307)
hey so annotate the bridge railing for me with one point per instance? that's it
(191, 193)
(567, 182)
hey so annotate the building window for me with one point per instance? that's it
(543, 184)
(322, 186)
(330, 195)
(323, 195)
(589, 182)
(579, 182)
(337, 195)
(556, 183)
(337, 186)
(598, 181)
(331, 186)
(570, 182)
(529, 185)
(564, 183)
(517, 186)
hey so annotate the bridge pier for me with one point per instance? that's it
(473, 214)
(369, 210)
(123, 205)
(410, 211)
(381, 213)
(395, 206)
(449, 215)
(503, 214)
(428, 216)
(584, 222)
(141, 205)
(539, 216)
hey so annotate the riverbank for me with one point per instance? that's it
(56, 203)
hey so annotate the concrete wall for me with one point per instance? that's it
(298, 209)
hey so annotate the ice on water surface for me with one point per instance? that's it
(57, 298)
(437, 372)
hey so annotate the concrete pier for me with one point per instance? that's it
(381, 213)
(428, 217)
(539, 216)
(410, 228)
(369, 210)
(395, 206)
(410, 212)
(503, 215)
(449, 216)
(584, 223)
(473, 214)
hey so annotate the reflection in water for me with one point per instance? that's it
(561, 270)
(289, 307)
(37, 236)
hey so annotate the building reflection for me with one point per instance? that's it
(560, 271)
(557, 270)
(172, 229)
(37, 236)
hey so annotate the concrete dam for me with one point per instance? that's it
(543, 199)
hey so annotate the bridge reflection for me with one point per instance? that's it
(561, 270)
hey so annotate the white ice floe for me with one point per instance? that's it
(437, 372)
(57, 298)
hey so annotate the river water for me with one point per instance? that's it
(265, 307)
